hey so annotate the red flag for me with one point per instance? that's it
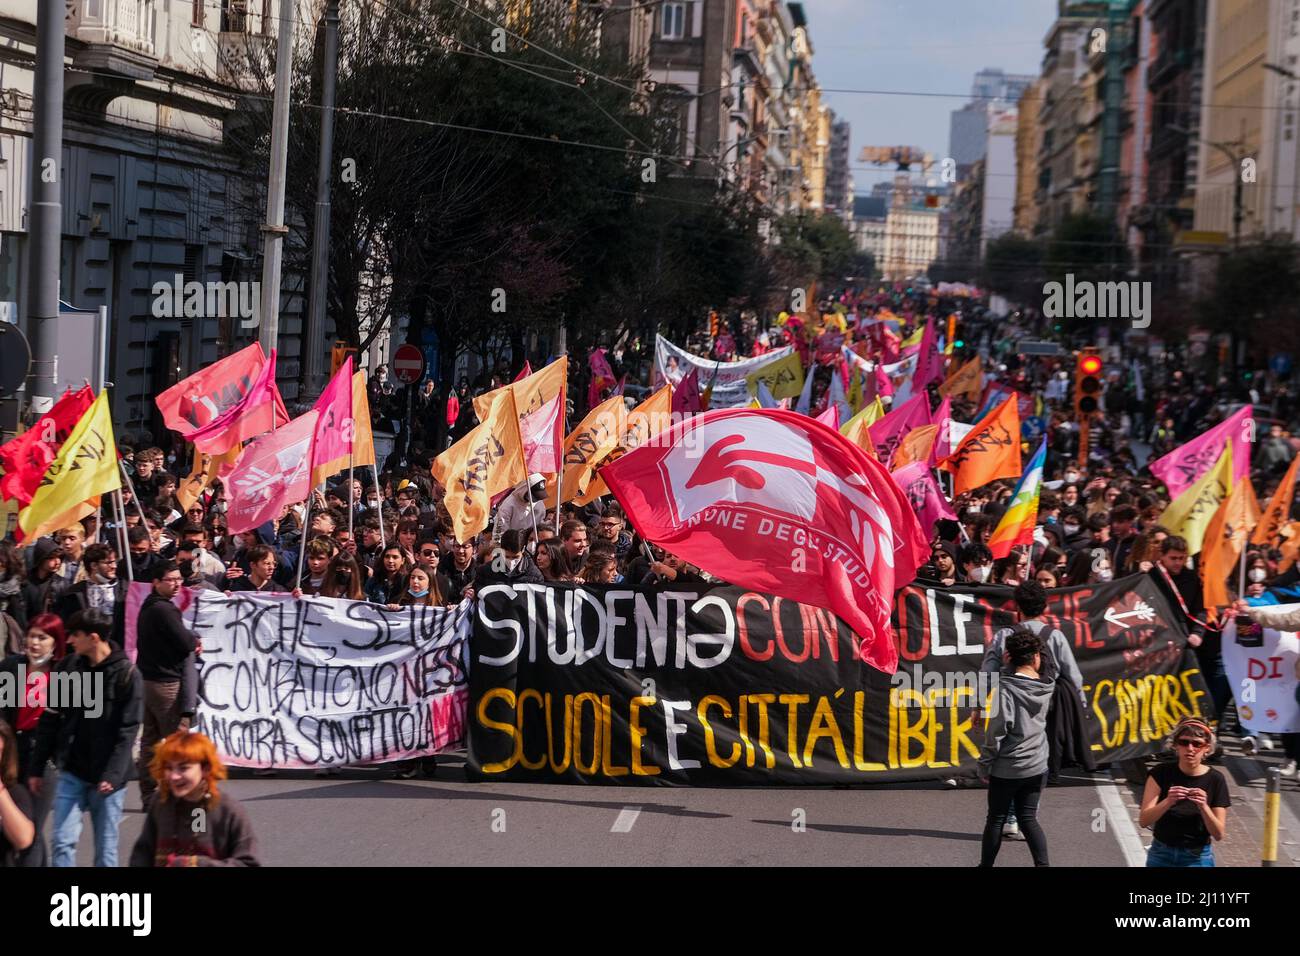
(273, 471)
(686, 394)
(524, 372)
(775, 501)
(260, 410)
(26, 458)
(209, 393)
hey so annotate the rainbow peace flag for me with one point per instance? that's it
(1017, 524)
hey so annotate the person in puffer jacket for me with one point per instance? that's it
(1014, 758)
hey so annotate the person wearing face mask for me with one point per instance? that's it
(510, 564)
(976, 562)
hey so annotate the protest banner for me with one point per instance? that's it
(728, 379)
(1264, 678)
(321, 682)
(721, 686)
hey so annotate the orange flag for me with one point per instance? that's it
(204, 470)
(969, 379)
(915, 446)
(644, 422)
(1290, 546)
(858, 431)
(990, 451)
(486, 462)
(1279, 508)
(363, 442)
(597, 435)
(1225, 536)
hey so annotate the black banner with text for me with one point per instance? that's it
(718, 686)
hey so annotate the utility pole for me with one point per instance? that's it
(46, 203)
(274, 229)
(314, 348)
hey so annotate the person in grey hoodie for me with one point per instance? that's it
(1014, 759)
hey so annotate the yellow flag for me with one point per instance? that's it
(531, 392)
(856, 432)
(855, 390)
(914, 338)
(203, 472)
(85, 468)
(783, 378)
(363, 442)
(1225, 536)
(486, 462)
(587, 445)
(868, 416)
(1190, 513)
(969, 379)
(644, 422)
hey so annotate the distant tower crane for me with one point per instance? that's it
(903, 158)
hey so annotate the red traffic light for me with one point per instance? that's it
(1090, 365)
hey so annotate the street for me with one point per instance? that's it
(364, 819)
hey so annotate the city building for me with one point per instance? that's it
(1028, 144)
(870, 220)
(839, 176)
(992, 91)
(911, 239)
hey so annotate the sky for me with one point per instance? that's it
(929, 46)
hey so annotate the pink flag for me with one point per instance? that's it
(274, 471)
(890, 430)
(831, 417)
(773, 501)
(334, 424)
(539, 429)
(943, 445)
(602, 376)
(260, 410)
(929, 367)
(1182, 467)
(686, 393)
(923, 494)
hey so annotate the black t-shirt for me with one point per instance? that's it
(8, 855)
(1182, 825)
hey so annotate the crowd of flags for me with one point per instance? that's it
(234, 417)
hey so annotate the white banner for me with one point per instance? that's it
(321, 682)
(1264, 680)
(727, 378)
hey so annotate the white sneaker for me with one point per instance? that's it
(1250, 745)
(1266, 742)
(1011, 831)
(1289, 769)
(951, 783)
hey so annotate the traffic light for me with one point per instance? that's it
(1087, 384)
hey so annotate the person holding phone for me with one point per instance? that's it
(1186, 803)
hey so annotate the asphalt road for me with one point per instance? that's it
(364, 819)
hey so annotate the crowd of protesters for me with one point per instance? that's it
(390, 542)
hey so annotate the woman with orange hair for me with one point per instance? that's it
(191, 823)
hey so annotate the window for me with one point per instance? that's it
(196, 13)
(672, 26)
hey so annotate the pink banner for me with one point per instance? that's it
(1182, 467)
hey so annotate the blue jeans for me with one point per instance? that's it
(1162, 854)
(74, 796)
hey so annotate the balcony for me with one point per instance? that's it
(244, 57)
(119, 34)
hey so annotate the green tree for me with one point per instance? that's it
(1013, 267)
(1256, 295)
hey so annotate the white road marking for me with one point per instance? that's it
(626, 820)
(1121, 823)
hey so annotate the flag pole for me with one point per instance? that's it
(352, 500)
(124, 544)
(134, 497)
(302, 535)
(374, 470)
(1241, 571)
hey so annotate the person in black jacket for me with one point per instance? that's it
(1181, 587)
(509, 565)
(165, 648)
(45, 584)
(91, 744)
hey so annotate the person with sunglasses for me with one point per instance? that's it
(1186, 803)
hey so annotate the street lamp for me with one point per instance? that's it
(1235, 150)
